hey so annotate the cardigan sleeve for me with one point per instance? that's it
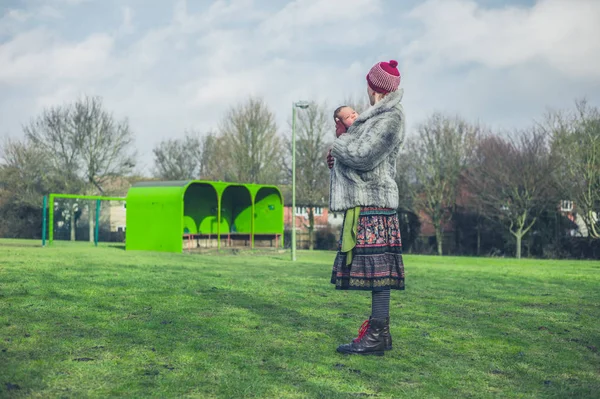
(365, 150)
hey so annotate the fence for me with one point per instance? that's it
(325, 239)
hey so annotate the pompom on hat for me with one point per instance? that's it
(384, 77)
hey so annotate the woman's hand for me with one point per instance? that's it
(329, 159)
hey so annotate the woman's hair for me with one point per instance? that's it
(337, 111)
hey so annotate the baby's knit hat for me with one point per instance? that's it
(384, 77)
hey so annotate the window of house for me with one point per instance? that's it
(566, 206)
(303, 211)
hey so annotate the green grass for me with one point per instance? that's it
(78, 321)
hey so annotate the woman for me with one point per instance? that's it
(363, 186)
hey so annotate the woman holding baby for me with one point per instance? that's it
(363, 186)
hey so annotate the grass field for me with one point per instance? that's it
(78, 321)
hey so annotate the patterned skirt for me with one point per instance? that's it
(377, 256)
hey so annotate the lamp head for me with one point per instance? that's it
(301, 104)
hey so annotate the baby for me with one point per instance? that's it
(344, 117)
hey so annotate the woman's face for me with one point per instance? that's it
(372, 95)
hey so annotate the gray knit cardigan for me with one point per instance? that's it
(364, 171)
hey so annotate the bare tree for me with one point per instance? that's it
(25, 175)
(314, 132)
(179, 159)
(513, 180)
(576, 143)
(438, 154)
(85, 145)
(23, 172)
(410, 225)
(208, 156)
(105, 147)
(51, 133)
(405, 179)
(216, 158)
(248, 149)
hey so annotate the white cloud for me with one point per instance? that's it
(501, 65)
(311, 13)
(60, 96)
(562, 33)
(48, 12)
(68, 2)
(303, 24)
(127, 22)
(13, 20)
(224, 90)
(15, 15)
(220, 11)
(39, 54)
(147, 50)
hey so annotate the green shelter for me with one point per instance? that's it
(161, 215)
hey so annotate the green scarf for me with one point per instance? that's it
(349, 232)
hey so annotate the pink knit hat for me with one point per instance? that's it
(384, 77)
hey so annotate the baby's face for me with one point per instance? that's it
(347, 115)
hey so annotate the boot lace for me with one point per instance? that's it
(362, 331)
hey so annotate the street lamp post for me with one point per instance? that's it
(303, 105)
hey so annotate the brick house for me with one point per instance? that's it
(569, 209)
(321, 217)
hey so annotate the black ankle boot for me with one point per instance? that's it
(369, 341)
(387, 336)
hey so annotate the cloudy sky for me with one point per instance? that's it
(169, 66)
